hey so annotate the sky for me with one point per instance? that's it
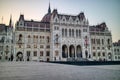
(96, 11)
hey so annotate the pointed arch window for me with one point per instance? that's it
(63, 32)
(72, 32)
(79, 33)
(69, 32)
(29, 38)
(76, 33)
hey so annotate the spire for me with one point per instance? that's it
(49, 9)
(10, 22)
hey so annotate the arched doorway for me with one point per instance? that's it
(72, 51)
(64, 51)
(19, 56)
(79, 51)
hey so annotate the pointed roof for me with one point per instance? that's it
(49, 9)
(47, 16)
(10, 22)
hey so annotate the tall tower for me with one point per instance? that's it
(10, 22)
(49, 9)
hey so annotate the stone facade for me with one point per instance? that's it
(101, 43)
(6, 42)
(116, 50)
(59, 37)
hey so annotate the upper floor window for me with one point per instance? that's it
(29, 38)
(63, 32)
(79, 33)
(99, 54)
(103, 54)
(20, 37)
(72, 32)
(76, 33)
(114, 50)
(41, 53)
(35, 53)
(94, 54)
(84, 30)
(102, 41)
(48, 39)
(47, 53)
(69, 32)
(108, 41)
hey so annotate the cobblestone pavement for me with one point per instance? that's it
(52, 71)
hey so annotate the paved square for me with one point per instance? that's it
(51, 71)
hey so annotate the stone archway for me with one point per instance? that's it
(72, 51)
(19, 56)
(79, 51)
(64, 51)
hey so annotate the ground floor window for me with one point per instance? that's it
(103, 54)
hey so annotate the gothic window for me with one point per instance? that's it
(47, 53)
(42, 39)
(20, 37)
(35, 53)
(79, 33)
(35, 45)
(103, 54)
(41, 53)
(92, 41)
(65, 32)
(99, 54)
(94, 54)
(55, 28)
(108, 41)
(56, 20)
(117, 50)
(56, 39)
(69, 32)
(72, 32)
(29, 38)
(93, 47)
(114, 50)
(48, 39)
(48, 46)
(102, 41)
(76, 33)
(28, 53)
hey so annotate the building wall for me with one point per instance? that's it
(116, 51)
(101, 49)
(6, 46)
(32, 43)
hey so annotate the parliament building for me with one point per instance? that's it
(61, 37)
